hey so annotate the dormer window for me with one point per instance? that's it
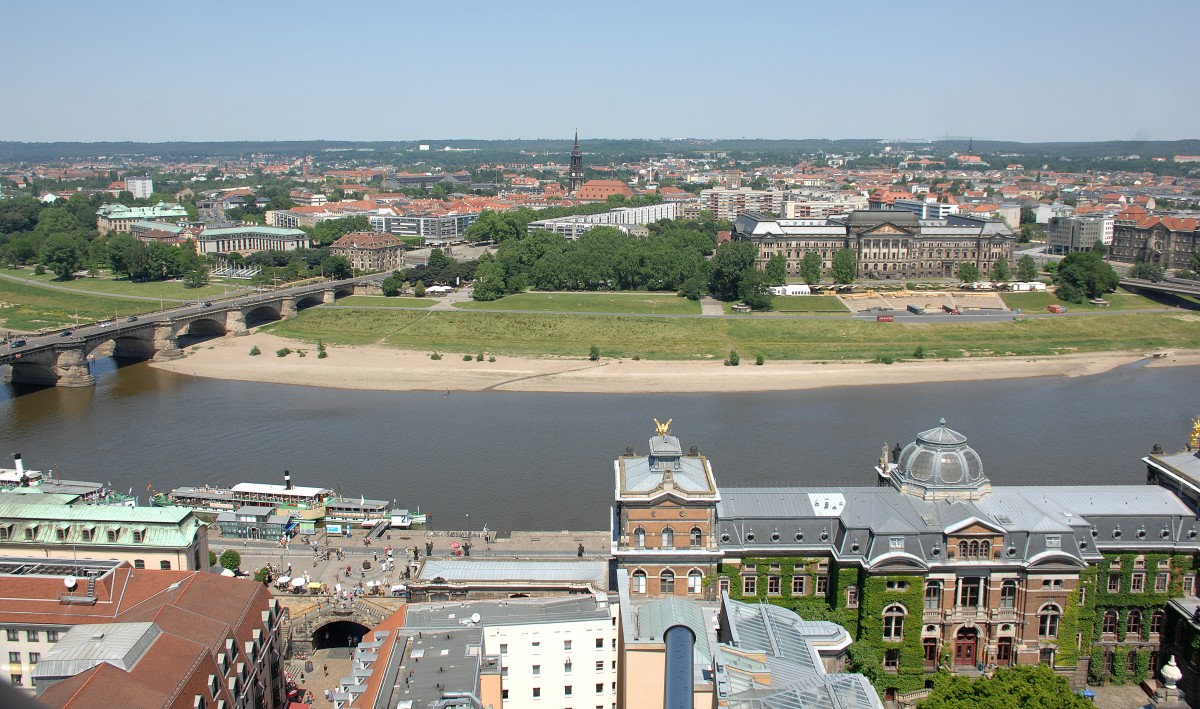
(139, 535)
(31, 533)
(6, 532)
(60, 534)
(111, 535)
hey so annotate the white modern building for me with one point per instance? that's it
(622, 218)
(928, 208)
(139, 187)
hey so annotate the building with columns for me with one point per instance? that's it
(935, 568)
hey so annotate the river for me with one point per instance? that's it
(544, 461)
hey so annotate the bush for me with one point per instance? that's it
(435, 356)
(254, 351)
(230, 559)
(637, 358)
(919, 353)
(759, 360)
(479, 357)
(467, 358)
(39, 270)
(733, 360)
(283, 351)
(419, 289)
(1185, 274)
(302, 353)
(262, 575)
(491, 358)
(212, 558)
(594, 353)
(910, 285)
(884, 359)
(321, 353)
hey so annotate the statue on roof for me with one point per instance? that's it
(663, 428)
(1194, 439)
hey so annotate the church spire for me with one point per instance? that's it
(575, 173)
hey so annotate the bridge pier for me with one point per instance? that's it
(328, 297)
(235, 323)
(166, 345)
(287, 308)
(71, 366)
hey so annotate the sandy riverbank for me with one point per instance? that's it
(382, 368)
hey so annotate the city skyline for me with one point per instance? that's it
(1037, 73)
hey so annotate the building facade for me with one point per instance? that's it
(1066, 235)
(934, 568)
(370, 251)
(622, 218)
(887, 244)
(1170, 242)
(727, 204)
(119, 218)
(139, 187)
(249, 239)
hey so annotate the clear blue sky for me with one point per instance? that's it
(395, 70)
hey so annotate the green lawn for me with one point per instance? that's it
(379, 301)
(151, 290)
(519, 334)
(792, 304)
(632, 302)
(1121, 300)
(28, 308)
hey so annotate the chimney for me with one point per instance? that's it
(287, 480)
(19, 465)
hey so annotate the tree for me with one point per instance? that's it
(336, 267)
(196, 276)
(1001, 271)
(1019, 686)
(1082, 275)
(968, 272)
(1148, 271)
(777, 270)
(330, 230)
(1027, 269)
(63, 254)
(755, 290)
(419, 289)
(230, 559)
(733, 260)
(391, 286)
(810, 268)
(845, 266)
(489, 280)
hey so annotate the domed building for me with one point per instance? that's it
(938, 464)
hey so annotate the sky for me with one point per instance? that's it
(1055, 70)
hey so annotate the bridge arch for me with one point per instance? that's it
(343, 291)
(262, 314)
(202, 327)
(309, 301)
(32, 372)
(338, 633)
(129, 346)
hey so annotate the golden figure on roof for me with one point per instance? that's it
(663, 428)
(1193, 440)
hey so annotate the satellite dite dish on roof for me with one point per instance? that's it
(69, 582)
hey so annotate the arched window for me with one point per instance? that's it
(985, 549)
(668, 538)
(639, 581)
(1110, 622)
(974, 549)
(639, 537)
(893, 622)
(697, 537)
(962, 549)
(1048, 617)
(1156, 622)
(933, 595)
(695, 581)
(666, 581)
(1133, 625)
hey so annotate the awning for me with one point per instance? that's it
(314, 584)
(297, 583)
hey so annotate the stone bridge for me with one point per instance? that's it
(61, 358)
(311, 618)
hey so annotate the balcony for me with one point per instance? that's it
(1005, 614)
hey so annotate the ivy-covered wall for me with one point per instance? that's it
(864, 624)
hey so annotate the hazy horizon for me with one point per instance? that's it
(387, 72)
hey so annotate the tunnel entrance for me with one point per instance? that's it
(339, 633)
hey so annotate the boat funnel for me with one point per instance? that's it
(287, 479)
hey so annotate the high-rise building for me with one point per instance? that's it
(575, 173)
(139, 187)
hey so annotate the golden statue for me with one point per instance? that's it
(1193, 440)
(663, 428)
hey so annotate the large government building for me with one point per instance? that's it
(935, 567)
(886, 244)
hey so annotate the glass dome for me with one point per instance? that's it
(939, 461)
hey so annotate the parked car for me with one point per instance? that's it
(131, 318)
(207, 304)
(17, 343)
(66, 333)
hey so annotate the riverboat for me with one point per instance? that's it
(19, 479)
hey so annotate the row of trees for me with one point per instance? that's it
(439, 269)
(501, 226)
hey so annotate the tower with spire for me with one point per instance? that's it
(575, 173)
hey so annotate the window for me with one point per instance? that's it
(1109, 625)
(503, 648)
(772, 585)
(1109, 662)
(164, 565)
(1137, 582)
(139, 563)
(537, 670)
(567, 645)
(567, 691)
(599, 665)
(14, 658)
(639, 537)
(696, 537)
(111, 535)
(695, 581)
(639, 581)
(599, 643)
(1053, 541)
(852, 596)
(749, 585)
(35, 657)
(666, 581)
(1156, 624)
(567, 667)
(668, 538)
(1114, 583)
(933, 595)
(822, 585)
(1082, 596)
(723, 584)
(891, 659)
(930, 646)
(893, 622)
(88, 534)
(599, 688)
(16, 680)
(1008, 594)
(896, 542)
(1189, 585)
(504, 694)
(1131, 665)
(30, 533)
(504, 671)
(969, 592)
(13, 635)
(1161, 581)
(537, 692)
(1048, 621)
(138, 536)
(1133, 624)
(32, 636)
(537, 644)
